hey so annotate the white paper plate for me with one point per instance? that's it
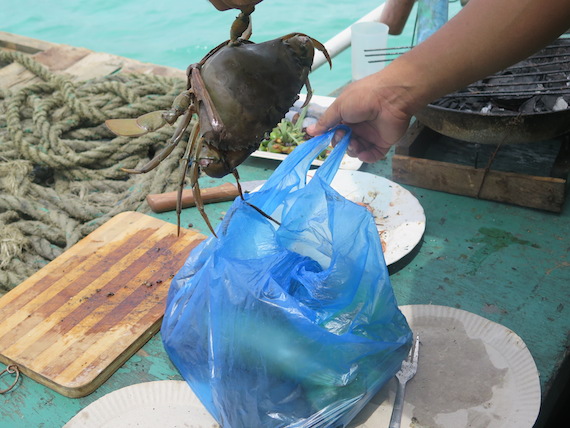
(166, 403)
(348, 162)
(398, 215)
(472, 372)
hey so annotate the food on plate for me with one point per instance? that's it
(371, 209)
(289, 133)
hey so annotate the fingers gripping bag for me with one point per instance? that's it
(290, 325)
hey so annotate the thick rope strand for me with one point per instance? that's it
(60, 167)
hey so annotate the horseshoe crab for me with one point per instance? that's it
(240, 90)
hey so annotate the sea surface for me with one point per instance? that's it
(180, 32)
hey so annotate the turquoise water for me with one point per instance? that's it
(180, 32)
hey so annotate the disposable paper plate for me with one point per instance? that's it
(318, 102)
(348, 163)
(164, 403)
(398, 215)
(471, 372)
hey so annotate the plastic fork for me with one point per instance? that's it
(406, 372)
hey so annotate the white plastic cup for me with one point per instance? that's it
(368, 41)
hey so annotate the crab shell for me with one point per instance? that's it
(252, 86)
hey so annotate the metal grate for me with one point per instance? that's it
(385, 54)
(545, 73)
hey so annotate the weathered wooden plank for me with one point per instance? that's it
(77, 320)
(517, 174)
(545, 193)
(96, 64)
(157, 70)
(22, 43)
(14, 76)
(57, 58)
(81, 63)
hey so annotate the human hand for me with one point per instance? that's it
(233, 4)
(379, 107)
(377, 123)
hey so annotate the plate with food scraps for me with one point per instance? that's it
(167, 403)
(398, 215)
(314, 110)
(472, 372)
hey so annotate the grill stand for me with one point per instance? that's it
(533, 175)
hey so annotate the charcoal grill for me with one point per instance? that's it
(463, 143)
(527, 102)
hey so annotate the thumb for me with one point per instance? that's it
(329, 119)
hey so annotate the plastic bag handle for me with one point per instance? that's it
(330, 166)
(291, 174)
(297, 163)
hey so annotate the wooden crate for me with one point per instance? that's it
(532, 175)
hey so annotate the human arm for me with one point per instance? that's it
(395, 14)
(484, 37)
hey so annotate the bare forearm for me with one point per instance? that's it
(486, 36)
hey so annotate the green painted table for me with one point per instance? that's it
(505, 263)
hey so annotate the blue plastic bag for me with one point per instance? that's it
(291, 325)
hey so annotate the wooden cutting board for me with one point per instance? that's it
(77, 320)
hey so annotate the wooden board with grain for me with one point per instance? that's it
(77, 320)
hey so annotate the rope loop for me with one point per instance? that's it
(13, 370)
(60, 167)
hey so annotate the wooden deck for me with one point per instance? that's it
(506, 263)
(81, 63)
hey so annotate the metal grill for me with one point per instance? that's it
(546, 73)
(527, 102)
(385, 54)
(543, 78)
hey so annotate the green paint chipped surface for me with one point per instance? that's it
(508, 264)
(492, 240)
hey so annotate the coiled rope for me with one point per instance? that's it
(60, 174)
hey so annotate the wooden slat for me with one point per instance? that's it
(14, 76)
(24, 44)
(96, 64)
(57, 58)
(413, 163)
(545, 193)
(80, 63)
(157, 70)
(74, 322)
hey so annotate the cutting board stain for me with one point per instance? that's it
(74, 322)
